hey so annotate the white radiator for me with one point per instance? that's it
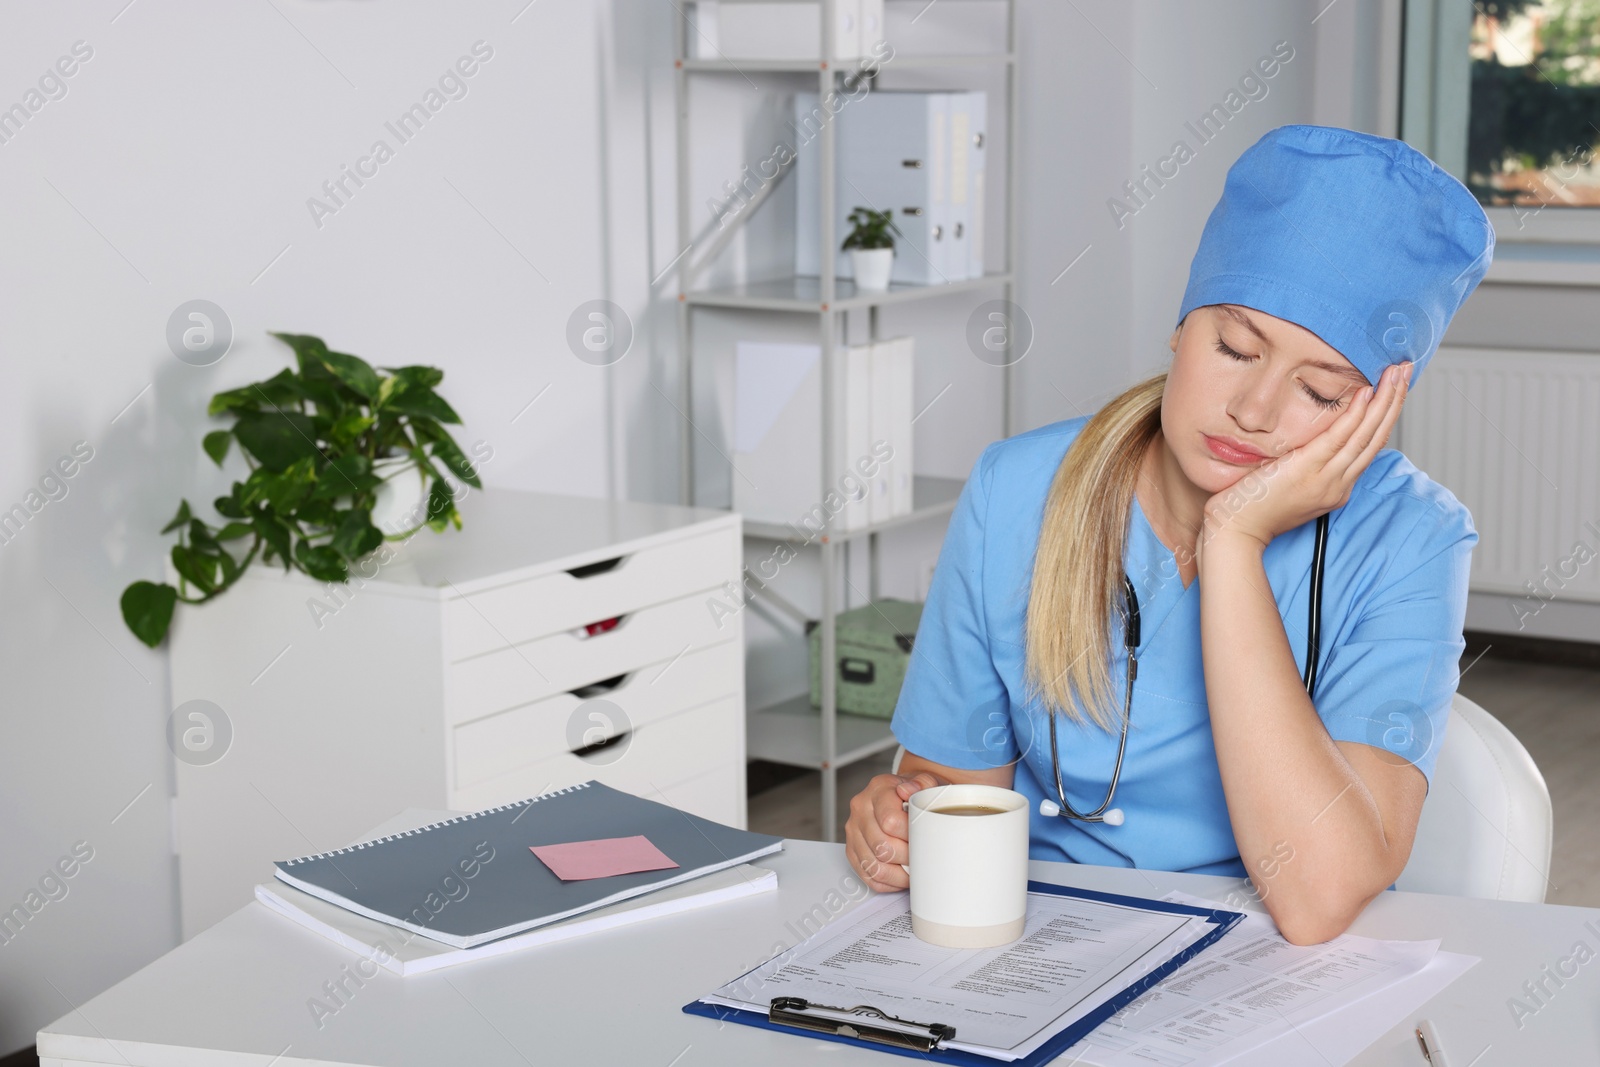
(1515, 435)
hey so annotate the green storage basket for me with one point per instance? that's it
(873, 646)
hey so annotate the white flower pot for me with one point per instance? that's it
(401, 499)
(872, 267)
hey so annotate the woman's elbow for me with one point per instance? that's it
(1315, 920)
(1306, 929)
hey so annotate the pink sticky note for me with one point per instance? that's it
(602, 858)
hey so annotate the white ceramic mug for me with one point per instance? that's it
(970, 889)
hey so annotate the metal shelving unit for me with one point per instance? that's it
(791, 731)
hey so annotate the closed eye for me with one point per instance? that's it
(1316, 397)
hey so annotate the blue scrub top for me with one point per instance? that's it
(1394, 602)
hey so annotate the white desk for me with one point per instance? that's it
(237, 994)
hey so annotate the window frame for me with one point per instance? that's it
(1556, 247)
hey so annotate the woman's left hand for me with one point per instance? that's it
(1315, 478)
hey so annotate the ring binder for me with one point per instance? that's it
(852, 1022)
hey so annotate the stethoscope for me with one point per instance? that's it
(1105, 813)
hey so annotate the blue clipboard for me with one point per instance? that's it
(1222, 922)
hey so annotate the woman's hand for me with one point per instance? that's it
(875, 834)
(1315, 478)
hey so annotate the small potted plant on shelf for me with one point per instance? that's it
(342, 457)
(870, 246)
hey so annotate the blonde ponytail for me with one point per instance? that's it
(1078, 568)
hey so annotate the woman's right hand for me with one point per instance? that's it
(875, 834)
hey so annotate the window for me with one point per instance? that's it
(1534, 112)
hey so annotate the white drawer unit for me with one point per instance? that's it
(466, 672)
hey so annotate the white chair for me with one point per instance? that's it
(1486, 826)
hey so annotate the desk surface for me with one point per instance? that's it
(243, 989)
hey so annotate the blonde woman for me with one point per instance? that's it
(1180, 524)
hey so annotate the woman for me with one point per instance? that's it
(1324, 279)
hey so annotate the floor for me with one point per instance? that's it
(1553, 709)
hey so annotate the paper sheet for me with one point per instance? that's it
(603, 857)
(1250, 988)
(1004, 1002)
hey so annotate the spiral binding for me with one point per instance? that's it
(437, 825)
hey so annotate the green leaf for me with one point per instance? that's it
(442, 507)
(276, 438)
(281, 390)
(235, 530)
(449, 453)
(386, 389)
(216, 445)
(286, 492)
(321, 562)
(357, 536)
(275, 534)
(425, 429)
(195, 568)
(427, 377)
(353, 371)
(179, 519)
(420, 400)
(230, 569)
(346, 471)
(200, 538)
(349, 426)
(319, 513)
(308, 349)
(228, 506)
(147, 609)
(339, 480)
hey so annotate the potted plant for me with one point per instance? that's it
(871, 248)
(326, 444)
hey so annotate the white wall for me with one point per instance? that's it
(178, 166)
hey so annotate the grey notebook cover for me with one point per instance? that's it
(472, 879)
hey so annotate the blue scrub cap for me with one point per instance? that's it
(1362, 240)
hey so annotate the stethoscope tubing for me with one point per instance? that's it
(1131, 641)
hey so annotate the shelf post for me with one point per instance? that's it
(830, 560)
(680, 81)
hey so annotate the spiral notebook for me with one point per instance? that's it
(472, 879)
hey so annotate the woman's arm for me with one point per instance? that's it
(912, 764)
(875, 834)
(1323, 826)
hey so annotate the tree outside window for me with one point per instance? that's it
(1534, 121)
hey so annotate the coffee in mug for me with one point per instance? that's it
(969, 864)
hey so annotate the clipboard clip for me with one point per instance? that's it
(863, 1022)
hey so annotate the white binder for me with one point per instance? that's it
(892, 149)
(892, 401)
(779, 29)
(872, 16)
(777, 447)
(857, 455)
(900, 496)
(977, 139)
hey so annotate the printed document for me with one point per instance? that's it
(1004, 1002)
(1247, 989)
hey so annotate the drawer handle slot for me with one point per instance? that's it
(601, 746)
(856, 671)
(589, 570)
(595, 629)
(605, 685)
